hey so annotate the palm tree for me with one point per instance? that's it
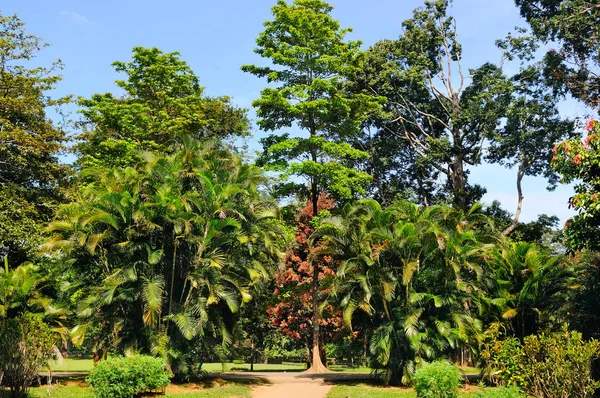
(413, 269)
(528, 287)
(169, 241)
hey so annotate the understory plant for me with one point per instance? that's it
(26, 346)
(501, 392)
(437, 380)
(126, 377)
(557, 365)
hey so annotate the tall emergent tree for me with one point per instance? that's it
(311, 64)
(436, 107)
(31, 177)
(163, 99)
(573, 28)
(532, 123)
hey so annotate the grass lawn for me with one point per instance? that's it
(369, 391)
(85, 365)
(258, 367)
(173, 391)
(72, 365)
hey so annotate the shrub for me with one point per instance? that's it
(126, 377)
(551, 366)
(26, 346)
(437, 380)
(501, 392)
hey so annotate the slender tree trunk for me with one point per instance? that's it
(252, 356)
(365, 346)
(459, 182)
(515, 222)
(316, 363)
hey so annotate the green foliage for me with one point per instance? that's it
(547, 365)
(577, 161)
(165, 252)
(311, 64)
(435, 119)
(163, 100)
(526, 288)
(126, 377)
(437, 380)
(501, 392)
(412, 270)
(26, 346)
(32, 179)
(571, 26)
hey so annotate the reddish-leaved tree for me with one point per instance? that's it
(294, 312)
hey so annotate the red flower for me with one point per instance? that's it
(555, 148)
(590, 125)
(566, 223)
(577, 159)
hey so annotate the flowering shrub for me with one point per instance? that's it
(579, 160)
(548, 365)
(127, 377)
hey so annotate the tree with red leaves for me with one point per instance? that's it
(294, 312)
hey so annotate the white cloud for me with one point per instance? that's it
(75, 17)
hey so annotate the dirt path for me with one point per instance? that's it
(291, 384)
(314, 389)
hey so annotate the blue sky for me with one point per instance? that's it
(217, 37)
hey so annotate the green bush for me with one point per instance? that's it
(126, 377)
(26, 346)
(551, 366)
(501, 392)
(437, 380)
(239, 361)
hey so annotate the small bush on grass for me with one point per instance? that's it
(26, 346)
(437, 380)
(550, 366)
(126, 377)
(501, 392)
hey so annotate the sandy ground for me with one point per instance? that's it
(292, 384)
(314, 389)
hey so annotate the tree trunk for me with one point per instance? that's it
(252, 352)
(459, 182)
(316, 363)
(515, 222)
(365, 345)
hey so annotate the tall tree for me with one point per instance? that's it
(527, 137)
(443, 112)
(573, 29)
(32, 180)
(311, 64)
(163, 99)
(397, 170)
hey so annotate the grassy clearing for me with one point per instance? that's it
(369, 391)
(72, 365)
(179, 391)
(85, 365)
(258, 367)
